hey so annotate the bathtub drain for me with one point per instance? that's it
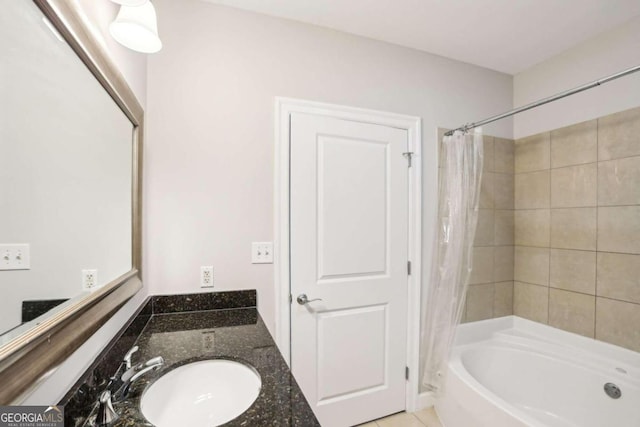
(612, 390)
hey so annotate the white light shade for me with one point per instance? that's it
(130, 2)
(136, 27)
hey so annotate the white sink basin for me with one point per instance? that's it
(206, 393)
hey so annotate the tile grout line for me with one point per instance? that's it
(595, 300)
(550, 222)
(571, 249)
(569, 207)
(524, 282)
(493, 258)
(513, 270)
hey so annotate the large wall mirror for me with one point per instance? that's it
(70, 138)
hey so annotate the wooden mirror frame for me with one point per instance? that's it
(28, 358)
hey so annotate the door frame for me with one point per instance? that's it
(284, 107)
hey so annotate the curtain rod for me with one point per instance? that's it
(546, 100)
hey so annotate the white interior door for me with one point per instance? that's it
(349, 247)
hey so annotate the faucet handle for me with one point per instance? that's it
(127, 357)
(106, 414)
(157, 361)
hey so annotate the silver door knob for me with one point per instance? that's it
(302, 299)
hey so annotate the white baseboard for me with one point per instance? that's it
(425, 400)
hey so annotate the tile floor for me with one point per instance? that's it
(424, 418)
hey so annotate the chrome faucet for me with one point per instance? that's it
(133, 373)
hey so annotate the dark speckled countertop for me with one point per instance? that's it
(236, 334)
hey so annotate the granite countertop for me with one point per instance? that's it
(236, 334)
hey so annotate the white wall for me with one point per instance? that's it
(605, 54)
(133, 66)
(209, 157)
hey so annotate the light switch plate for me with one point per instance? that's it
(15, 257)
(262, 253)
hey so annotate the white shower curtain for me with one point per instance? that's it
(459, 193)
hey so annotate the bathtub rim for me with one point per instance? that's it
(497, 332)
(483, 330)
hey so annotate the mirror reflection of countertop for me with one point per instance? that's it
(236, 334)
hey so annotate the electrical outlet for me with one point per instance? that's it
(262, 253)
(208, 340)
(206, 277)
(89, 279)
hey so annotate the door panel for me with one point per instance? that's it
(349, 220)
(352, 231)
(344, 373)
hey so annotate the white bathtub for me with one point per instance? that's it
(512, 372)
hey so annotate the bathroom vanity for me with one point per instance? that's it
(183, 329)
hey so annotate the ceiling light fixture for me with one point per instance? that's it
(136, 27)
(132, 3)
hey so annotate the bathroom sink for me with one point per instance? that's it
(205, 393)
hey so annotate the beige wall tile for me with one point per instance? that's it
(482, 270)
(503, 263)
(503, 150)
(573, 270)
(619, 229)
(479, 302)
(619, 276)
(485, 228)
(619, 135)
(532, 265)
(532, 190)
(594, 200)
(487, 152)
(503, 299)
(504, 227)
(574, 186)
(573, 228)
(503, 191)
(617, 323)
(532, 227)
(572, 312)
(533, 153)
(619, 182)
(486, 191)
(575, 145)
(531, 301)
(463, 315)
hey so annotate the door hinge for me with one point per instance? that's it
(406, 373)
(409, 268)
(408, 155)
(290, 299)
